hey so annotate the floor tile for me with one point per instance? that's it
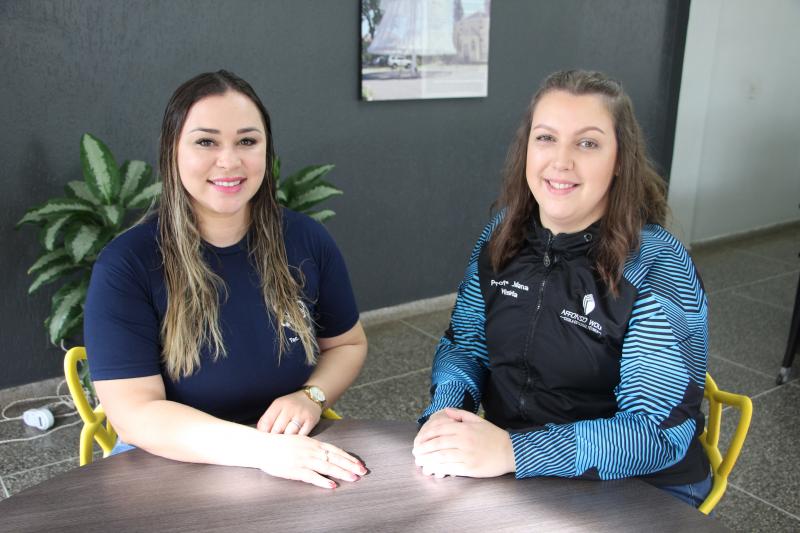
(47, 387)
(395, 348)
(768, 464)
(434, 323)
(401, 398)
(60, 444)
(723, 267)
(740, 512)
(748, 332)
(779, 291)
(19, 482)
(783, 245)
(736, 378)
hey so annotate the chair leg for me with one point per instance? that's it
(793, 343)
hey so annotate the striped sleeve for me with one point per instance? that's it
(662, 375)
(461, 359)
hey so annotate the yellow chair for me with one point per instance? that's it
(93, 427)
(721, 466)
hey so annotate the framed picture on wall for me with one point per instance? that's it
(420, 49)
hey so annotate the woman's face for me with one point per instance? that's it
(572, 154)
(222, 157)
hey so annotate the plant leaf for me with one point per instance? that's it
(99, 169)
(146, 196)
(67, 304)
(276, 169)
(49, 259)
(113, 214)
(51, 231)
(322, 215)
(299, 190)
(55, 207)
(82, 239)
(134, 176)
(50, 274)
(309, 174)
(79, 189)
(281, 196)
(72, 326)
(67, 287)
(313, 197)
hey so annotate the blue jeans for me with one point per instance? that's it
(692, 493)
(120, 447)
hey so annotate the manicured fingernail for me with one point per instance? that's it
(332, 485)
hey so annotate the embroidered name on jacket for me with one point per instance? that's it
(509, 292)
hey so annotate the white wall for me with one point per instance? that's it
(736, 161)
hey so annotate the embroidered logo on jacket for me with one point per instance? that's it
(571, 317)
(588, 304)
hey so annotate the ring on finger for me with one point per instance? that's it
(296, 423)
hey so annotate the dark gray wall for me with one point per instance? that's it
(418, 176)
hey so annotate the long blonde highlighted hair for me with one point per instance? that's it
(193, 289)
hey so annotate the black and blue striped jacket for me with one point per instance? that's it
(588, 385)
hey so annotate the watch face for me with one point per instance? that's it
(317, 394)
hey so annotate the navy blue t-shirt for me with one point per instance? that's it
(127, 301)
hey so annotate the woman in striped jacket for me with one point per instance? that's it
(581, 325)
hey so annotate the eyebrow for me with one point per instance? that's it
(216, 132)
(582, 130)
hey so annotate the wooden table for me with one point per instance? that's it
(136, 491)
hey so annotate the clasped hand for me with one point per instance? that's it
(454, 442)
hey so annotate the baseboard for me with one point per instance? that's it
(729, 237)
(399, 312)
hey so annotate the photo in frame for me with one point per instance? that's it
(422, 49)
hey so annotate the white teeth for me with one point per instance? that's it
(561, 185)
(227, 183)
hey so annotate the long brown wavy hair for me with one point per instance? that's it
(193, 289)
(637, 195)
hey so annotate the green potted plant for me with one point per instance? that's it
(74, 228)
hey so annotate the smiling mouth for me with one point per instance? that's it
(227, 183)
(560, 185)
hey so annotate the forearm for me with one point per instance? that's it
(458, 378)
(613, 448)
(339, 366)
(182, 433)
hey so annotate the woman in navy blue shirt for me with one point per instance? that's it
(224, 310)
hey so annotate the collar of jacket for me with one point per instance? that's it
(564, 244)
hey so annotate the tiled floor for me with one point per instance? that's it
(751, 284)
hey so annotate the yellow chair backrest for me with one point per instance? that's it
(93, 427)
(721, 465)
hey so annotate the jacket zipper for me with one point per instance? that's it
(547, 262)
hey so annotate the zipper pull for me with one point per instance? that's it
(546, 259)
